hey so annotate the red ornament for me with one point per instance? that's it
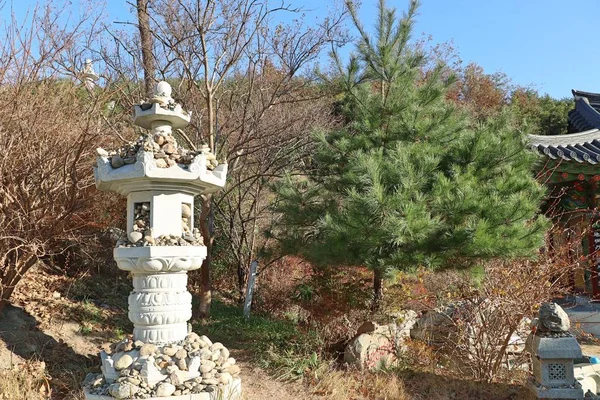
(581, 177)
(596, 178)
(564, 175)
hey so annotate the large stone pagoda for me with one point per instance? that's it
(163, 359)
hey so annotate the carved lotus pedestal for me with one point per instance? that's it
(163, 359)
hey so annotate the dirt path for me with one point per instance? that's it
(259, 385)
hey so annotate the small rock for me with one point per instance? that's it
(217, 346)
(159, 139)
(101, 152)
(160, 154)
(192, 337)
(123, 362)
(181, 354)
(169, 148)
(205, 353)
(165, 389)
(160, 163)
(135, 237)
(133, 381)
(186, 212)
(148, 349)
(210, 381)
(233, 370)
(225, 378)
(206, 340)
(89, 379)
(553, 318)
(116, 161)
(170, 351)
(123, 390)
(149, 240)
(207, 366)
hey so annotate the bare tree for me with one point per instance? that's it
(49, 124)
(146, 42)
(222, 50)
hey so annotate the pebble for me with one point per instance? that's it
(233, 370)
(186, 212)
(101, 152)
(123, 362)
(169, 148)
(181, 354)
(122, 390)
(116, 161)
(148, 349)
(170, 351)
(225, 378)
(165, 389)
(135, 237)
(161, 163)
(207, 366)
(206, 340)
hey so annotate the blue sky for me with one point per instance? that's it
(549, 44)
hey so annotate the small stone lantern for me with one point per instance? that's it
(553, 351)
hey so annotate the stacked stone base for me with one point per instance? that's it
(192, 369)
(231, 391)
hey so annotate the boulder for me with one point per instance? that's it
(371, 351)
(434, 326)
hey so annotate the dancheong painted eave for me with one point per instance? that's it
(583, 147)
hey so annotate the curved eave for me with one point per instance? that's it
(583, 147)
(145, 175)
(584, 116)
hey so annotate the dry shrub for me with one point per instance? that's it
(486, 316)
(24, 382)
(333, 301)
(50, 123)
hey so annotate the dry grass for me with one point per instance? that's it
(24, 382)
(345, 385)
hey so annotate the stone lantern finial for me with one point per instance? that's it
(89, 75)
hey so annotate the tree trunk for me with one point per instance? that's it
(241, 274)
(377, 289)
(205, 282)
(146, 39)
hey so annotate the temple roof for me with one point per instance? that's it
(586, 114)
(583, 147)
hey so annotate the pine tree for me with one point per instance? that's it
(409, 180)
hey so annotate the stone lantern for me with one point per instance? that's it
(553, 351)
(160, 179)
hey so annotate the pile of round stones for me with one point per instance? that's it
(167, 152)
(196, 355)
(141, 235)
